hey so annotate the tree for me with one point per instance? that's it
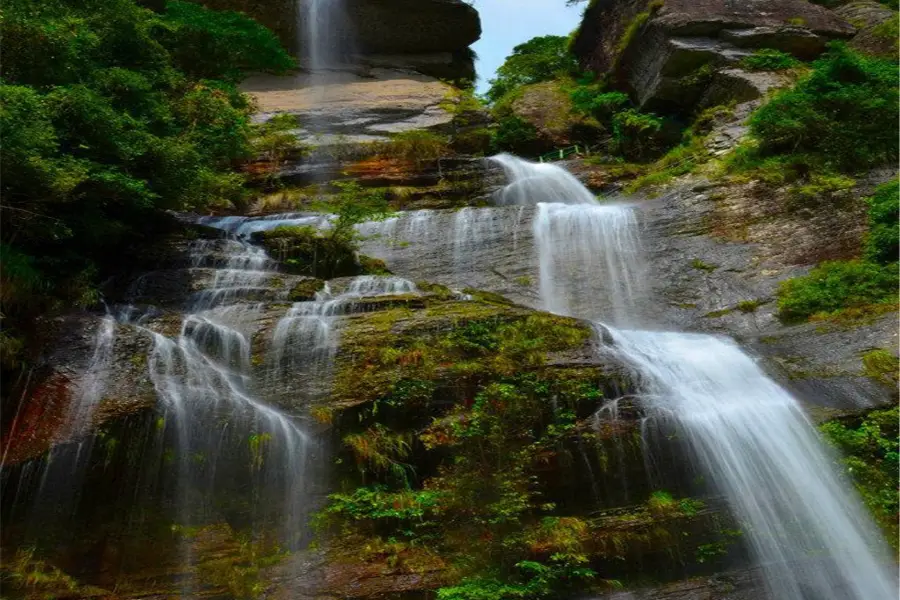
(539, 59)
(111, 113)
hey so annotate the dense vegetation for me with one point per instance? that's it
(842, 117)
(112, 113)
(460, 457)
(605, 113)
(869, 450)
(539, 59)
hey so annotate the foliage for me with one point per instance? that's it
(835, 285)
(25, 572)
(375, 504)
(835, 3)
(533, 580)
(219, 45)
(639, 136)
(869, 450)
(539, 59)
(378, 450)
(109, 114)
(514, 134)
(275, 141)
(590, 100)
(769, 59)
(843, 115)
(884, 231)
(331, 251)
(880, 364)
(443, 467)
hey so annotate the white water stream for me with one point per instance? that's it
(808, 531)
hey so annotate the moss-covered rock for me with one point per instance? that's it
(306, 289)
(308, 251)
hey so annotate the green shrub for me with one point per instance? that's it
(836, 285)
(843, 114)
(870, 456)
(641, 136)
(539, 59)
(515, 134)
(111, 113)
(218, 45)
(884, 231)
(588, 99)
(769, 59)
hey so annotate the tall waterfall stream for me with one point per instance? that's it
(808, 532)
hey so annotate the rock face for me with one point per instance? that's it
(876, 25)
(363, 106)
(549, 109)
(665, 53)
(429, 36)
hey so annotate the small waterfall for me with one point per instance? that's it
(90, 387)
(306, 338)
(325, 34)
(807, 530)
(588, 252)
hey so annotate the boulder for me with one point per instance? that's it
(549, 108)
(430, 36)
(877, 27)
(413, 26)
(665, 54)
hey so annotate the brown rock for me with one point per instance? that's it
(664, 53)
(549, 109)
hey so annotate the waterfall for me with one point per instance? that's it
(306, 339)
(325, 33)
(807, 530)
(588, 252)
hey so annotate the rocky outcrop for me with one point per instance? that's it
(877, 28)
(549, 109)
(665, 53)
(431, 37)
(428, 36)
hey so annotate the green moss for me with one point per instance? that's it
(881, 365)
(307, 251)
(835, 286)
(749, 306)
(524, 281)
(768, 59)
(484, 296)
(306, 290)
(372, 266)
(633, 28)
(451, 412)
(702, 266)
(715, 314)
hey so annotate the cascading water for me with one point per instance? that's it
(220, 445)
(588, 252)
(324, 34)
(306, 339)
(807, 530)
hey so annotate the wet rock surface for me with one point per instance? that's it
(353, 106)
